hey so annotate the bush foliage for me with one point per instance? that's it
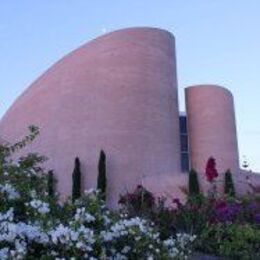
(229, 185)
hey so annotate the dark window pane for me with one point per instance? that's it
(183, 124)
(184, 143)
(184, 162)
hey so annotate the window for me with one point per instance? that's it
(184, 143)
(183, 124)
(185, 162)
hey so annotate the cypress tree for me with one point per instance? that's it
(76, 180)
(193, 183)
(102, 179)
(229, 185)
(51, 183)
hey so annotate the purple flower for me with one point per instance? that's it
(177, 202)
(227, 212)
(252, 206)
(257, 218)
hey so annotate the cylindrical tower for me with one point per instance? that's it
(211, 128)
(117, 93)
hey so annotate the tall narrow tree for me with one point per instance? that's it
(76, 180)
(102, 179)
(193, 183)
(229, 185)
(51, 183)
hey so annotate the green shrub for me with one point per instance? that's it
(193, 183)
(192, 216)
(102, 179)
(229, 185)
(76, 180)
(231, 240)
(51, 184)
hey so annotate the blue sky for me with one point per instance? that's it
(218, 42)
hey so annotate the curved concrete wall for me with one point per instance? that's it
(211, 128)
(117, 93)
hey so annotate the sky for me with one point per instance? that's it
(218, 42)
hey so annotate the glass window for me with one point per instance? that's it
(184, 143)
(183, 124)
(185, 167)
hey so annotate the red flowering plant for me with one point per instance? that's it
(140, 202)
(211, 171)
(211, 174)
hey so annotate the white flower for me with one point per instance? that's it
(10, 191)
(60, 234)
(126, 249)
(107, 220)
(33, 193)
(40, 206)
(107, 236)
(4, 253)
(83, 216)
(80, 245)
(179, 247)
(90, 192)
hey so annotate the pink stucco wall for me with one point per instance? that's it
(117, 93)
(247, 182)
(212, 130)
(1, 140)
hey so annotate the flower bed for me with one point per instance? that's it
(35, 225)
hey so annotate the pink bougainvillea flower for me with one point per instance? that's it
(177, 202)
